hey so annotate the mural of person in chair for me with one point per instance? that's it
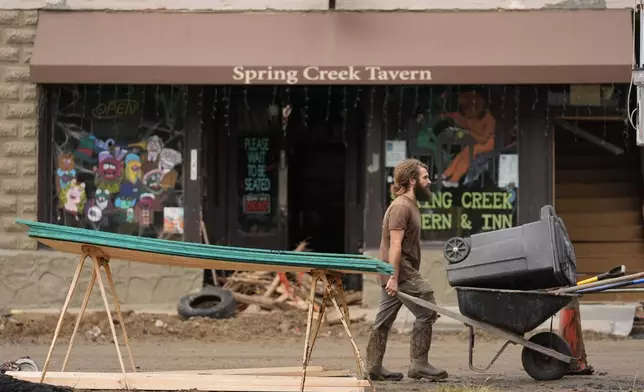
(474, 119)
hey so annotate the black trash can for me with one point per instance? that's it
(537, 255)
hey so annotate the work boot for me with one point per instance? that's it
(421, 341)
(375, 353)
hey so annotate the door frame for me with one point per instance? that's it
(214, 139)
(354, 182)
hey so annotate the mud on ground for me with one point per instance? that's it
(278, 325)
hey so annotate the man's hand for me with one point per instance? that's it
(395, 251)
(392, 286)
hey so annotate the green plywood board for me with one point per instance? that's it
(313, 260)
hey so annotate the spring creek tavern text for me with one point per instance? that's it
(250, 75)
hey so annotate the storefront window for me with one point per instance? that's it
(118, 159)
(467, 138)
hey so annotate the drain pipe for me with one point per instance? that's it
(641, 51)
(638, 80)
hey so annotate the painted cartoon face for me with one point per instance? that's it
(110, 169)
(169, 158)
(152, 181)
(74, 194)
(132, 168)
(146, 200)
(66, 162)
(471, 104)
(102, 197)
(125, 203)
(154, 145)
(72, 197)
(128, 196)
(135, 168)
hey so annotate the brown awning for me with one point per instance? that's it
(549, 46)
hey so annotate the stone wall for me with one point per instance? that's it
(18, 120)
(40, 279)
(36, 279)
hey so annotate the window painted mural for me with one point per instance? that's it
(118, 158)
(467, 137)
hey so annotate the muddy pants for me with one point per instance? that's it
(415, 286)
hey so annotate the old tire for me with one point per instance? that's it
(26, 364)
(542, 367)
(213, 302)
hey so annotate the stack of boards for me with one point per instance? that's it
(263, 379)
(194, 255)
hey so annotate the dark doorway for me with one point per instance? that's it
(324, 192)
(317, 165)
(324, 200)
(317, 194)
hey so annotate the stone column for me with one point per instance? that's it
(18, 130)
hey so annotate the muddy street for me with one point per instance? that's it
(241, 343)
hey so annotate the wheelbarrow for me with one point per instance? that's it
(510, 314)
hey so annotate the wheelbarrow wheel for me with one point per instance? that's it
(456, 250)
(542, 367)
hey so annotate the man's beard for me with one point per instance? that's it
(421, 193)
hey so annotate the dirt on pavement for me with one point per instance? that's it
(275, 339)
(278, 325)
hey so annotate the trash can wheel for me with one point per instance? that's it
(456, 250)
(542, 367)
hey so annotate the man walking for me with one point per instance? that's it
(400, 246)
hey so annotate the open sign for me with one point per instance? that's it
(115, 108)
(257, 204)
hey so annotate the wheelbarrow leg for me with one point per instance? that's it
(471, 354)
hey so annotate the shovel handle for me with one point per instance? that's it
(613, 273)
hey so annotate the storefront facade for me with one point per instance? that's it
(294, 140)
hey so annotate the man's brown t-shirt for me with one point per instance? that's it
(403, 214)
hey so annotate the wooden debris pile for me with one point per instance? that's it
(256, 291)
(271, 291)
